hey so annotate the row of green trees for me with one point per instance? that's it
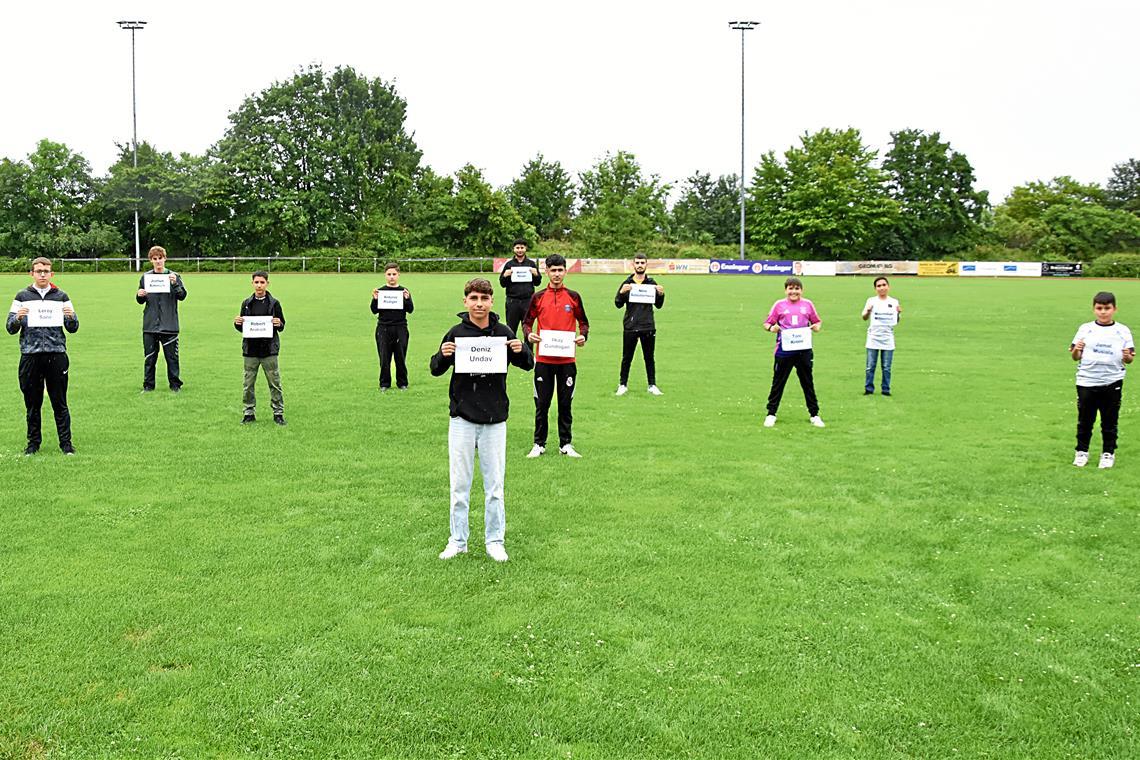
(323, 161)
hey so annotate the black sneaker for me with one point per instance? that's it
(886, 393)
(867, 392)
(176, 390)
(248, 419)
(31, 450)
(67, 449)
(279, 419)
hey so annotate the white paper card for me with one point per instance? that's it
(556, 342)
(16, 306)
(257, 327)
(390, 299)
(795, 339)
(481, 356)
(521, 274)
(884, 316)
(643, 294)
(156, 283)
(45, 313)
(1110, 351)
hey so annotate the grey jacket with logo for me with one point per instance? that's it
(41, 340)
(161, 312)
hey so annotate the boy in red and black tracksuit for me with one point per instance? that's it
(554, 308)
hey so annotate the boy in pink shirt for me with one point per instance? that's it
(794, 320)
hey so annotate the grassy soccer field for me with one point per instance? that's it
(926, 577)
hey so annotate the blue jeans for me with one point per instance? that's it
(463, 438)
(873, 355)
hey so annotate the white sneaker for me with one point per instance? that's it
(770, 421)
(497, 552)
(569, 451)
(451, 550)
(655, 390)
(817, 421)
(621, 390)
(1081, 459)
(1106, 460)
(536, 452)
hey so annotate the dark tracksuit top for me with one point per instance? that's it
(266, 307)
(638, 316)
(556, 309)
(519, 291)
(161, 312)
(480, 399)
(41, 340)
(393, 317)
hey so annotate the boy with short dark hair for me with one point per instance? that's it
(478, 409)
(1102, 347)
(261, 352)
(638, 325)
(392, 329)
(160, 321)
(43, 352)
(519, 291)
(793, 319)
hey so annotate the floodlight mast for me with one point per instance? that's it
(743, 26)
(134, 26)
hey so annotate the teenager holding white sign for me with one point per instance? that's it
(260, 309)
(793, 319)
(392, 304)
(160, 290)
(477, 351)
(43, 352)
(1102, 347)
(639, 294)
(562, 326)
(519, 277)
(882, 313)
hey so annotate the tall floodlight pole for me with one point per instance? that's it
(743, 26)
(134, 26)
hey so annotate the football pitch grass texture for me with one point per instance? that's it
(928, 576)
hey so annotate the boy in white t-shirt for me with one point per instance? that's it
(1102, 347)
(883, 313)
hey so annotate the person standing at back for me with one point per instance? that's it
(392, 329)
(519, 277)
(638, 324)
(160, 299)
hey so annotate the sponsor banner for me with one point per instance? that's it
(674, 266)
(814, 268)
(605, 266)
(876, 267)
(744, 266)
(1061, 269)
(938, 269)
(999, 269)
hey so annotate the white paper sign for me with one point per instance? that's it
(481, 356)
(257, 327)
(884, 316)
(521, 274)
(643, 294)
(556, 343)
(16, 306)
(795, 339)
(390, 299)
(45, 313)
(156, 283)
(1104, 351)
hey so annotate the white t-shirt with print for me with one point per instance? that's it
(881, 327)
(1102, 361)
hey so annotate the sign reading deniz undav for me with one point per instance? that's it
(481, 356)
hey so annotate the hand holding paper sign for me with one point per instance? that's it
(515, 346)
(447, 348)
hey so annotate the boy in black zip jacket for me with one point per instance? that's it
(392, 330)
(261, 353)
(519, 293)
(43, 355)
(478, 408)
(638, 325)
(160, 322)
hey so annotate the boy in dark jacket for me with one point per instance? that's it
(160, 318)
(478, 350)
(43, 352)
(260, 345)
(392, 328)
(519, 277)
(638, 324)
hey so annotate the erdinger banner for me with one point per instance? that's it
(999, 269)
(938, 269)
(1061, 269)
(876, 267)
(744, 266)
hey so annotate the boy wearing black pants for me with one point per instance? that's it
(520, 290)
(638, 325)
(392, 328)
(1102, 347)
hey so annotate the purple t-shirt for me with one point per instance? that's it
(790, 315)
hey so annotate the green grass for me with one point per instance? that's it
(926, 577)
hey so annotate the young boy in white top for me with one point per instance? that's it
(882, 312)
(1102, 347)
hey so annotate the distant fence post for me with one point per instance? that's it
(302, 263)
(199, 263)
(338, 264)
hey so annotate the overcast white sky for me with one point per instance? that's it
(1026, 89)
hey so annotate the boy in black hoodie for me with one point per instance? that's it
(638, 325)
(479, 405)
